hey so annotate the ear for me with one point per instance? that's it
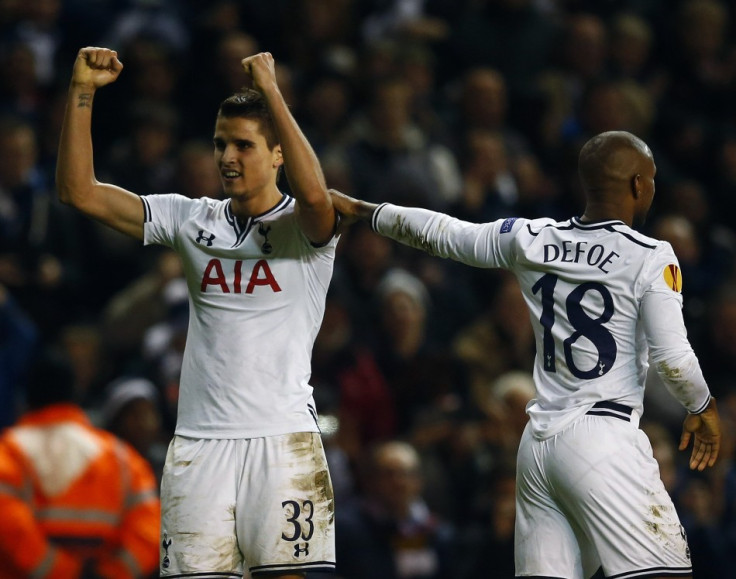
(636, 186)
(278, 157)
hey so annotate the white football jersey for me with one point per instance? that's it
(604, 300)
(257, 295)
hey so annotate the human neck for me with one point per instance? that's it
(607, 211)
(245, 206)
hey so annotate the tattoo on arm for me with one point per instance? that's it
(85, 100)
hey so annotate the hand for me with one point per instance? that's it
(96, 67)
(350, 209)
(262, 69)
(706, 427)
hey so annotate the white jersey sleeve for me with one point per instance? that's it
(670, 351)
(164, 216)
(476, 244)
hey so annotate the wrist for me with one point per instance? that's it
(710, 406)
(269, 90)
(81, 87)
(365, 210)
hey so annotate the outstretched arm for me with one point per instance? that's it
(314, 206)
(437, 234)
(75, 176)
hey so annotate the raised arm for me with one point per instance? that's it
(314, 206)
(75, 177)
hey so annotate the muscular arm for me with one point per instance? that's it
(670, 352)
(314, 205)
(75, 177)
(679, 369)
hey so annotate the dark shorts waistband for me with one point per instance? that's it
(613, 409)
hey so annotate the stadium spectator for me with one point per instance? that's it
(132, 412)
(18, 337)
(40, 259)
(390, 532)
(389, 152)
(76, 501)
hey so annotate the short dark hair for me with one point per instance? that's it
(250, 104)
(49, 380)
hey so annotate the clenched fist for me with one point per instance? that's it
(96, 67)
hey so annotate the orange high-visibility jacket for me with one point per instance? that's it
(71, 493)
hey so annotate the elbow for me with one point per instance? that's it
(316, 199)
(64, 188)
(65, 195)
(72, 193)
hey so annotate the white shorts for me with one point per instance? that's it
(591, 497)
(261, 504)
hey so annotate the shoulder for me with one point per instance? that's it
(175, 203)
(641, 240)
(531, 227)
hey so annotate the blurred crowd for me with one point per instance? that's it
(422, 367)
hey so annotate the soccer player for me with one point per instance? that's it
(604, 301)
(246, 483)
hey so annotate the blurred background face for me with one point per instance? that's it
(586, 45)
(702, 28)
(197, 173)
(487, 156)
(680, 233)
(630, 43)
(17, 155)
(327, 103)
(483, 100)
(397, 480)
(138, 423)
(390, 108)
(231, 51)
(401, 315)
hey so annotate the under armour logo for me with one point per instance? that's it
(298, 550)
(166, 543)
(263, 231)
(202, 237)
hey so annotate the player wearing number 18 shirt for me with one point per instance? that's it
(605, 302)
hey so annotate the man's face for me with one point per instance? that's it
(247, 165)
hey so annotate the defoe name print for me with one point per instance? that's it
(578, 252)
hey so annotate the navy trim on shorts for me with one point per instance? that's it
(205, 575)
(612, 409)
(655, 572)
(314, 566)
